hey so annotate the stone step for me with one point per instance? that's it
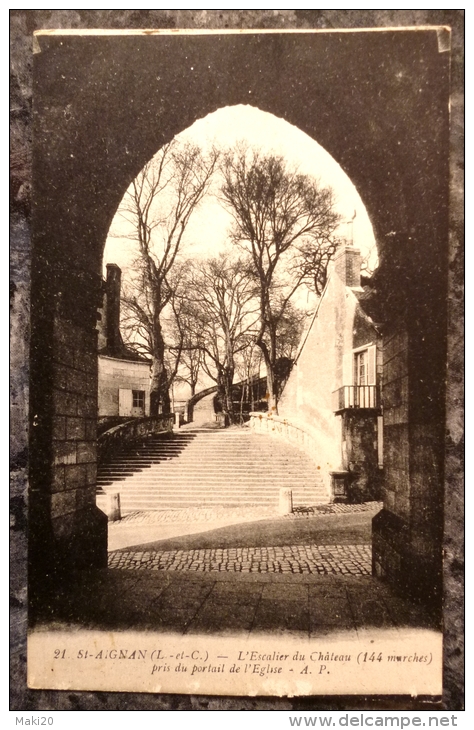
(194, 488)
(229, 449)
(209, 438)
(216, 458)
(132, 486)
(240, 468)
(147, 505)
(216, 464)
(214, 485)
(198, 453)
(211, 468)
(159, 478)
(182, 504)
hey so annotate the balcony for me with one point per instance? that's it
(355, 396)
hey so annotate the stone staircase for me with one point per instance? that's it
(204, 468)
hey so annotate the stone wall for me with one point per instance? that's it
(407, 534)
(361, 456)
(75, 417)
(396, 431)
(66, 528)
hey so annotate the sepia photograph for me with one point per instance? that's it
(239, 374)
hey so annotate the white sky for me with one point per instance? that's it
(207, 230)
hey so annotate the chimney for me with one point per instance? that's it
(347, 265)
(112, 315)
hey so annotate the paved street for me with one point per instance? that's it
(309, 559)
(227, 603)
(133, 543)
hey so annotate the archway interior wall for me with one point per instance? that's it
(127, 100)
(377, 102)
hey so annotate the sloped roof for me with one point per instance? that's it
(123, 353)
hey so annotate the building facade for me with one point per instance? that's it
(333, 391)
(123, 375)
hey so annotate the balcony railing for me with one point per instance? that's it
(355, 396)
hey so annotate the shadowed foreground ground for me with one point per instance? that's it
(215, 599)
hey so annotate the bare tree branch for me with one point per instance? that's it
(223, 313)
(157, 209)
(286, 221)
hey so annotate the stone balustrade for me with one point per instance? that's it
(115, 439)
(295, 433)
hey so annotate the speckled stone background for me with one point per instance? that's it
(22, 25)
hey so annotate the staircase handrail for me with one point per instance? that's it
(298, 433)
(113, 440)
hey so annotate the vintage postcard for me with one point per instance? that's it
(238, 361)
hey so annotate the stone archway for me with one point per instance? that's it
(376, 101)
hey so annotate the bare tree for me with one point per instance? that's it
(286, 221)
(157, 208)
(223, 308)
(184, 344)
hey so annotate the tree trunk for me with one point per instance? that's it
(243, 394)
(225, 380)
(160, 401)
(229, 403)
(272, 395)
(272, 385)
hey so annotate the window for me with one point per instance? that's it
(138, 399)
(359, 378)
(364, 363)
(360, 368)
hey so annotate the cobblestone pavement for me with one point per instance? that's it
(212, 514)
(302, 559)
